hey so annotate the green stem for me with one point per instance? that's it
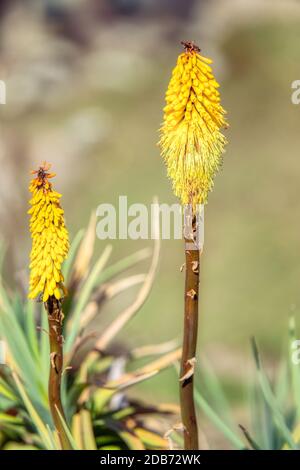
(55, 319)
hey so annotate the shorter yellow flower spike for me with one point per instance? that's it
(191, 142)
(50, 240)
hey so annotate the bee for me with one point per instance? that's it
(190, 46)
(43, 175)
(42, 172)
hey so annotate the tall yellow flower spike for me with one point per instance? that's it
(50, 241)
(191, 142)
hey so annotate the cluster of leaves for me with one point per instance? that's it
(99, 412)
(274, 405)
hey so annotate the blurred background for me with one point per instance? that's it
(85, 90)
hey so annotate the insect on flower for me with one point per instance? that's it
(42, 173)
(50, 241)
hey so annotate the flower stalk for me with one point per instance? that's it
(192, 145)
(190, 333)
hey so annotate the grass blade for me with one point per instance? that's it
(84, 296)
(271, 401)
(214, 418)
(40, 427)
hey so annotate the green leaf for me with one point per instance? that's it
(6, 391)
(271, 400)
(210, 413)
(89, 442)
(123, 264)
(44, 345)
(22, 356)
(83, 298)
(40, 426)
(31, 331)
(5, 418)
(216, 394)
(151, 439)
(128, 436)
(67, 431)
(17, 446)
(72, 253)
(251, 441)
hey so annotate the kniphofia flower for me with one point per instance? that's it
(191, 140)
(50, 241)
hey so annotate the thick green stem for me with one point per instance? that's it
(188, 413)
(55, 319)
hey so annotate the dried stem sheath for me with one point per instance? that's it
(191, 294)
(55, 319)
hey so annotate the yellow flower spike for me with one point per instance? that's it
(50, 242)
(191, 140)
